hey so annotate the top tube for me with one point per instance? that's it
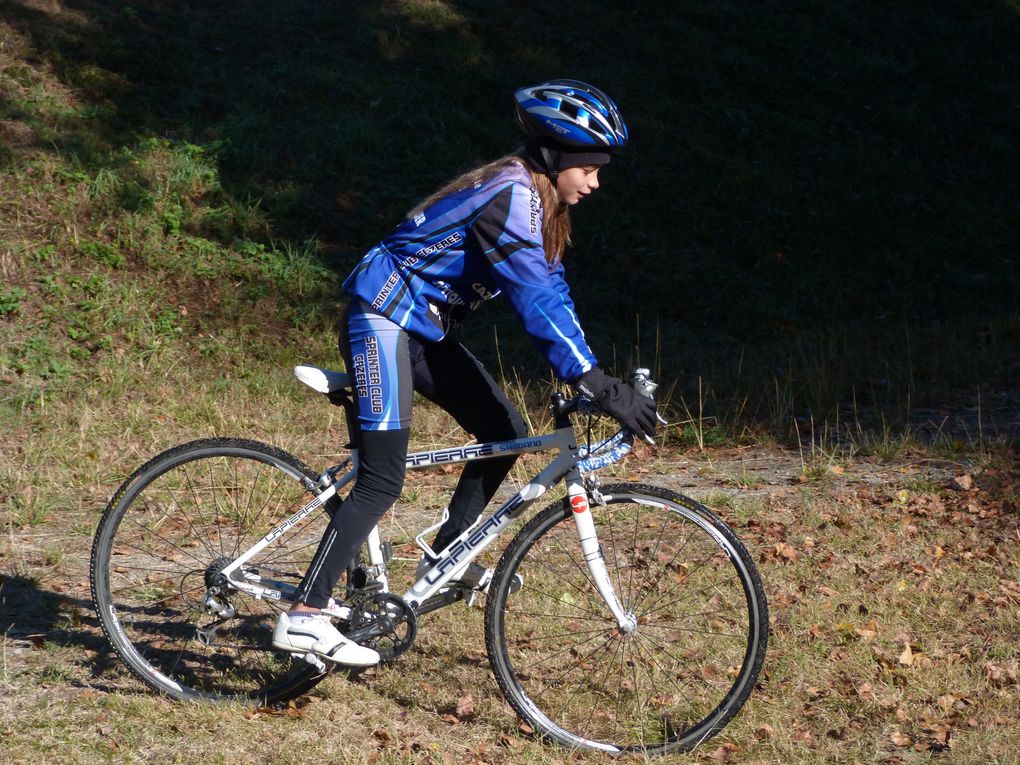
(588, 457)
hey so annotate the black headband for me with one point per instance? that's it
(550, 159)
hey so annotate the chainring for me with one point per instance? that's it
(383, 621)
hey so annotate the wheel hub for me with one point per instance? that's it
(630, 625)
(215, 600)
(214, 569)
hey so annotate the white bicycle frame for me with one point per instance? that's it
(474, 540)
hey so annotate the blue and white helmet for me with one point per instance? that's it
(571, 114)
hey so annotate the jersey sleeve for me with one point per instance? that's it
(509, 232)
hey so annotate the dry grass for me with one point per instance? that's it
(894, 596)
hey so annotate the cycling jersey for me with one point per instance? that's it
(466, 248)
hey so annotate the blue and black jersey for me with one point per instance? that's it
(468, 247)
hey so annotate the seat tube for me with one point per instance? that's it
(592, 551)
(376, 557)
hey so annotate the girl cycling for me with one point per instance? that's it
(498, 229)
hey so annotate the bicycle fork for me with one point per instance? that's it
(592, 552)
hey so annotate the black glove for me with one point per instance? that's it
(618, 399)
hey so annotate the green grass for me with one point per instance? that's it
(814, 210)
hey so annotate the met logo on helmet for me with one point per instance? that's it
(558, 128)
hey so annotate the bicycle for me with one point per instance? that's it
(622, 617)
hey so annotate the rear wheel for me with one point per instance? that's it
(163, 540)
(673, 681)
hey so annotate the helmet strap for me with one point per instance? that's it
(545, 159)
(553, 159)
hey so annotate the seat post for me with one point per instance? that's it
(343, 398)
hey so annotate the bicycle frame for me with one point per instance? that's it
(475, 539)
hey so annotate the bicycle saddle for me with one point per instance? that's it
(322, 380)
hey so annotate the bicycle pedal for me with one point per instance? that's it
(337, 611)
(314, 660)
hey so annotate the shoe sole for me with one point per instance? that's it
(333, 660)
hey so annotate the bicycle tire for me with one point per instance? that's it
(166, 531)
(694, 657)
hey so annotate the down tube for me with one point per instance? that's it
(473, 541)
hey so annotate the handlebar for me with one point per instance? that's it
(616, 447)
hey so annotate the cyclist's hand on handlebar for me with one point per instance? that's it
(619, 400)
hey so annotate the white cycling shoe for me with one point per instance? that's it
(316, 635)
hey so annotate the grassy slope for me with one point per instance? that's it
(820, 201)
(819, 198)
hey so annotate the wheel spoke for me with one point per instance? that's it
(560, 599)
(187, 516)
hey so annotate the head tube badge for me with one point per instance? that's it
(579, 503)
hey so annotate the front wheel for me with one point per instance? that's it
(669, 683)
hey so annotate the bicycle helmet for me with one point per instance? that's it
(568, 123)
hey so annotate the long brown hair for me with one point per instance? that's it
(555, 215)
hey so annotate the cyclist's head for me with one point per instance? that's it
(568, 124)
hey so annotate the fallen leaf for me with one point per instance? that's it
(999, 676)
(965, 481)
(785, 552)
(942, 735)
(509, 741)
(900, 739)
(867, 632)
(802, 736)
(907, 657)
(947, 702)
(466, 707)
(722, 754)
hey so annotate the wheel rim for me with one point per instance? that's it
(670, 683)
(178, 527)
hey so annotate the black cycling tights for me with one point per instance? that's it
(447, 374)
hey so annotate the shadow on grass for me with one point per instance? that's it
(35, 616)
